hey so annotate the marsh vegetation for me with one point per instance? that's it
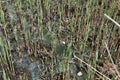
(59, 40)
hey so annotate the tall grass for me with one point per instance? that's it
(29, 27)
